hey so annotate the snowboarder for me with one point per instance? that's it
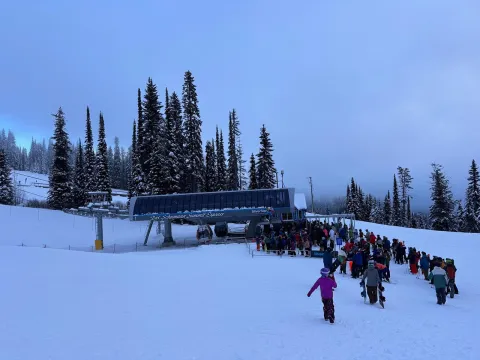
(425, 264)
(440, 280)
(327, 284)
(374, 281)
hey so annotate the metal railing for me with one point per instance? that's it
(139, 247)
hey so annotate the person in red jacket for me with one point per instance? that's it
(372, 238)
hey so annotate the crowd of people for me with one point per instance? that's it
(367, 255)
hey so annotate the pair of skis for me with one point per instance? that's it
(381, 298)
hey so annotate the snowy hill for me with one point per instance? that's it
(34, 186)
(215, 302)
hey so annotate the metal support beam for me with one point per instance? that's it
(99, 232)
(150, 224)
(167, 237)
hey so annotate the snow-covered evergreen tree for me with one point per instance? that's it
(89, 154)
(193, 135)
(405, 184)
(142, 155)
(442, 207)
(348, 200)
(178, 140)
(265, 164)
(376, 213)
(110, 163)
(79, 194)
(472, 200)
(209, 167)
(152, 150)
(117, 165)
(252, 174)
(232, 168)
(459, 217)
(137, 184)
(59, 192)
(242, 177)
(396, 207)
(103, 175)
(6, 187)
(409, 213)
(221, 164)
(387, 209)
(172, 149)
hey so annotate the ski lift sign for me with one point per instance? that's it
(339, 241)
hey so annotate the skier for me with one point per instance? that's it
(373, 281)
(327, 284)
(440, 280)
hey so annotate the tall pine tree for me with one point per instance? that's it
(442, 207)
(178, 140)
(172, 182)
(209, 167)
(193, 135)
(137, 178)
(59, 192)
(405, 180)
(396, 207)
(103, 176)
(265, 164)
(252, 174)
(90, 161)
(472, 204)
(79, 192)
(152, 149)
(142, 155)
(232, 169)
(387, 209)
(221, 164)
(6, 187)
(242, 178)
(117, 165)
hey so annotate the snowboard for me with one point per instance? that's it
(381, 298)
(364, 292)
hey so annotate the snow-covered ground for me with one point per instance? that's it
(216, 302)
(34, 186)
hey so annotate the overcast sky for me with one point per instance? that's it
(346, 88)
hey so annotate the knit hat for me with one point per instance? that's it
(325, 272)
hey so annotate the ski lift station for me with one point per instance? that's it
(254, 207)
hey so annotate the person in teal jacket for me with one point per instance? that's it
(440, 280)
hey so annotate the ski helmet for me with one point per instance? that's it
(324, 272)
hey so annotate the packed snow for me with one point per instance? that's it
(217, 301)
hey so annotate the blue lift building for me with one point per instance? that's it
(216, 208)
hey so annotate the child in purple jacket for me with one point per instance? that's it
(326, 284)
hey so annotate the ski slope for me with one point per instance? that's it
(217, 302)
(34, 186)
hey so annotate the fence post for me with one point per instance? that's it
(114, 248)
(68, 247)
(136, 246)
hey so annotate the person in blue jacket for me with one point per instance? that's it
(425, 264)
(357, 264)
(328, 259)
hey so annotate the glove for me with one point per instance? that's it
(362, 283)
(381, 287)
(308, 295)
